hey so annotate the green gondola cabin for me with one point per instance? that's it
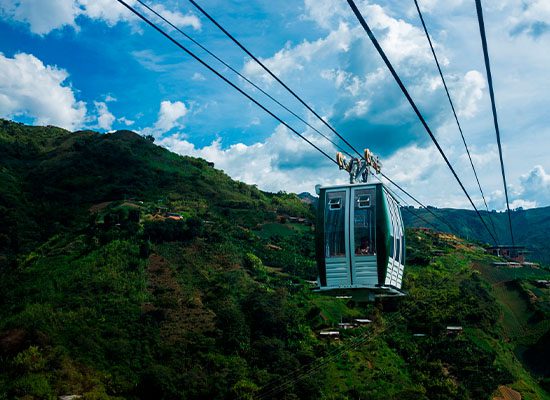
(360, 241)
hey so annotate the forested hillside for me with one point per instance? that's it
(129, 272)
(531, 227)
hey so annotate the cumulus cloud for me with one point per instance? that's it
(534, 18)
(177, 18)
(105, 118)
(169, 117)
(535, 186)
(126, 121)
(532, 191)
(44, 16)
(294, 58)
(364, 101)
(469, 93)
(37, 91)
(281, 162)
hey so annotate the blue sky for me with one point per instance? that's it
(90, 64)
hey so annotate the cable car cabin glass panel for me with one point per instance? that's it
(395, 263)
(363, 237)
(336, 241)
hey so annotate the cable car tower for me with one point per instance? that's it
(360, 236)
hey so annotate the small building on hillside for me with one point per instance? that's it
(334, 335)
(512, 253)
(454, 330)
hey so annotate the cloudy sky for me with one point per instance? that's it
(90, 64)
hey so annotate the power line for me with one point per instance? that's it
(182, 47)
(418, 202)
(495, 119)
(272, 74)
(244, 93)
(237, 88)
(238, 43)
(239, 74)
(415, 108)
(407, 206)
(455, 115)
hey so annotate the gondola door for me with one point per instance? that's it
(337, 254)
(363, 237)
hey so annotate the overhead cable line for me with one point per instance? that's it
(182, 47)
(238, 43)
(415, 108)
(495, 119)
(417, 201)
(455, 115)
(245, 94)
(272, 74)
(407, 206)
(240, 75)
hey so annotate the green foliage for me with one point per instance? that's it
(103, 296)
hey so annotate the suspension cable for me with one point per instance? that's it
(493, 106)
(406, 205)
(455, 115)
(272, 74)
(418, 202)
(240, 75)
(415, 108)
(182, 47)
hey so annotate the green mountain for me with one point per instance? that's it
(531, 227)
(129, 272)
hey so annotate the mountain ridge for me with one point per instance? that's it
(130, 272)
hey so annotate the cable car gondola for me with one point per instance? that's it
(360, 236)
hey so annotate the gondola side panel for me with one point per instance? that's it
(320, 239)
(382, 234)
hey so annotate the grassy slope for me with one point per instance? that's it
(216, 306)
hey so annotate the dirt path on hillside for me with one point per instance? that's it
(179, 311)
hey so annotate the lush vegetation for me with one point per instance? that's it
(531, 227)
(128, 272)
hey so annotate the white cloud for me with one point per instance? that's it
(360, 108)
(150, 60)
(281, 162)
(44, 16)
(535, 186)
(412, 164)
(169, 117)
(105, 118)
(177, 18)
(401, 41)
(197, 76)
(534, 18)
(111, 12)
(30, 88)
(326, 13)
(126, 121)
(532, 191)
(292, 59)
(469, 93)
